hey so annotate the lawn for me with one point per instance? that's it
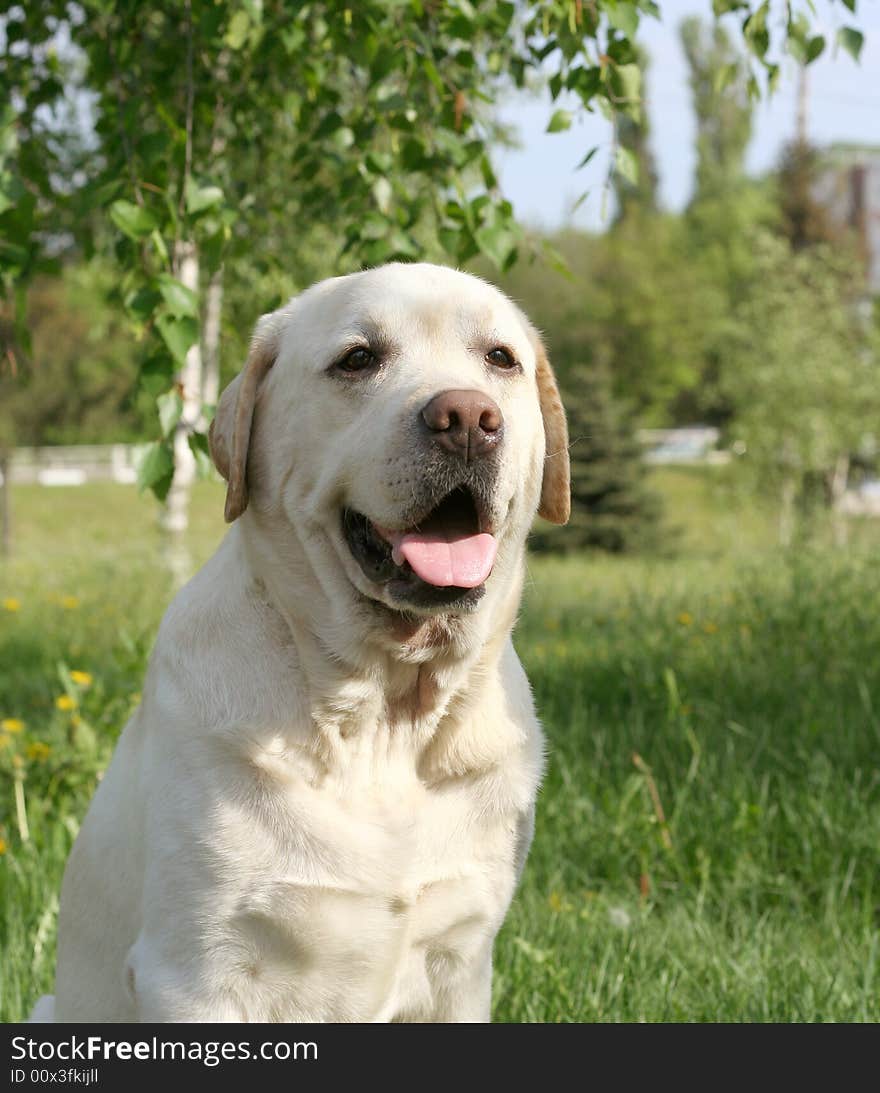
(708, 833)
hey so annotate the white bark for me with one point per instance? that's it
(176, 516)
(839, 479)
(211, 340)
(786, 510)
(5, 505)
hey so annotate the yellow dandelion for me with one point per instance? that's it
(685, 618)
(38, 751)
(81, 679)
(11, 604)
(5, 741)
(3, 846)
(70, 603)
(710, 628)
(555, 901)
(65, 702)
(11, 724)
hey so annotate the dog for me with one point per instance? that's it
(323, 804)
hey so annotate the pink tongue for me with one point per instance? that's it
(446, 558)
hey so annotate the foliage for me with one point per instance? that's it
(203, 142)
(635, 301)
(611, 508)
(801, 362)
(635, 172)
(719, 80)
(803, 220)
(82, 371)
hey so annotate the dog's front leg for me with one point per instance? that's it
(466, 997)
(175, 988)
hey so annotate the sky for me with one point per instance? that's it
(843, 106)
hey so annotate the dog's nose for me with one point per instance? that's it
(466, 423)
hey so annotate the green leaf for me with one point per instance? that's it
(178, 333)
(578, 202)
(237, 32)
(490, 179)
(159, 243)
(198, 445)
(627, 85)
(83, 737)
(154, 464)
(560, 121)
(625, 18)
(724, 76)
(342, 139)
(156, 373)
(141, 304)
(852, 41)
(371, 225)
(170, 407)
(497, 242)
(587, 157)
(201, 198)
(179, 300)
(626, 164)
(814, 48)
(135, 221)
(380, 163)
(755, 31)
(382, 194)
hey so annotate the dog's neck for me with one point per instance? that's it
(363, 665)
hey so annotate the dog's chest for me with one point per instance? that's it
(374, 892)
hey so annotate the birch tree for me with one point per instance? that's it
(802, 370)
(212, 118)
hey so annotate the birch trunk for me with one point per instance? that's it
(839, 477)
(5, 505)
(176, 516)
(211, 341)
(786, 510)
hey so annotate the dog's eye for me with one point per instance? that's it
(501, 358)
(356, 360)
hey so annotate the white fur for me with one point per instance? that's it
(291, 829)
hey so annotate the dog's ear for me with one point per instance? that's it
(230, 432)
(555, 504)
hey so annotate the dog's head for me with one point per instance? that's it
(406, 424)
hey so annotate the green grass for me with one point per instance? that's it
(708, 833)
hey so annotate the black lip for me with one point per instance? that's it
(373, 555)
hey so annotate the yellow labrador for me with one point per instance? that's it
(322, 807)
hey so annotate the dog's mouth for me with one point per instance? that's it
(443, 559)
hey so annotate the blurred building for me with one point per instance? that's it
(848, 186)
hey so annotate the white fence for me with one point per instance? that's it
(80, 463)
(72, 466)
(692, 444)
